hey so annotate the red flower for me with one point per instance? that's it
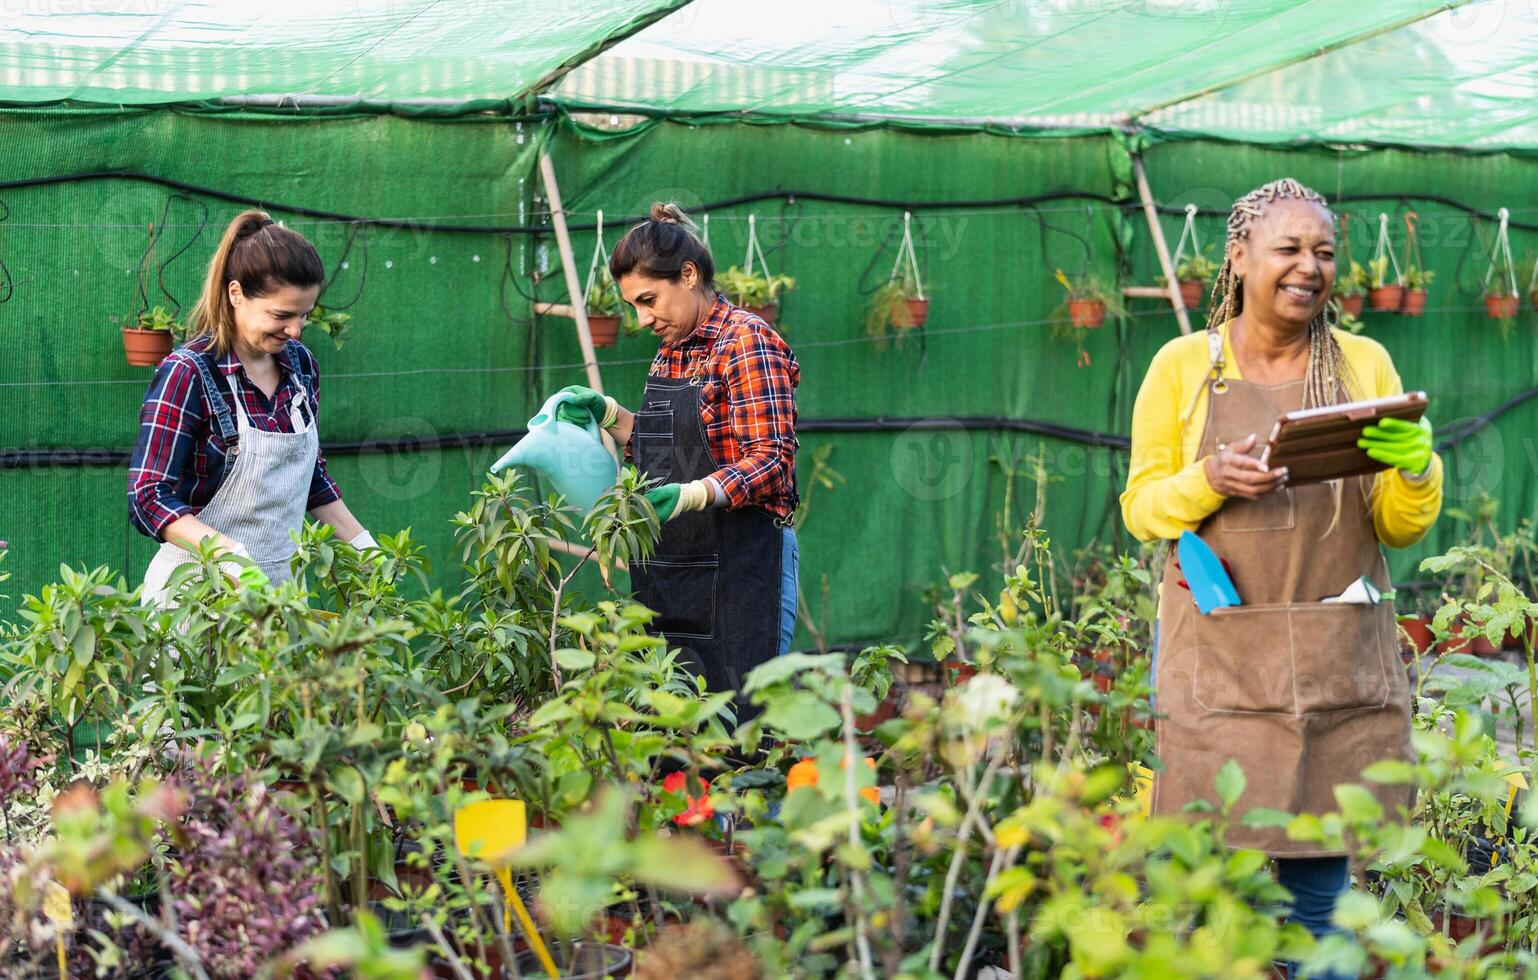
(673, 782)
(696, 810)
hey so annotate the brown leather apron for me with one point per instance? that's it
(1302, 694)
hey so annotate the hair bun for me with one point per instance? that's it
(669, 213)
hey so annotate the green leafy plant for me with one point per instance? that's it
(332, 323)
(1196, 267)
(1354, 282)
(753, 289)
(1417, 278)
(888, 311)
(158, 318)
(603, 296)
(1377, 272)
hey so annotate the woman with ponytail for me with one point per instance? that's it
(228, 447)
(716, 428)
(1302, 694)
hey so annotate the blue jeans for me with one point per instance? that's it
(1315, 884)
(790, 569)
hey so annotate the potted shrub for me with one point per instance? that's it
(1382, 295)
(605, 309)
(756, 292)
(1088, 302)
(150, 336)
(1416, 279)
(1351, 290)
(1193, 272)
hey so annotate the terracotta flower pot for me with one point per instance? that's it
(1477, 644)
(1086, 313)
(912, 315)
(1500, 307)
(1514, 641)
(769, 313)
(147, 348)
(1416, 636)
(605, 329)
(1191, 291)
(1534, 297)
(1351, 304)
(1385, 299)
(1413, 303)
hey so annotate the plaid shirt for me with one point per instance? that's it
(747, 404)
(178, 461)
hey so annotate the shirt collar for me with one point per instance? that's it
(228, 363)
(710, 327)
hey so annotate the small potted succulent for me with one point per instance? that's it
(1351, 289)
(1089, 300)
(605, 309)
(1416, 279)
(1193, 272)
(1382, 296)
(756, 292)
(151, 335)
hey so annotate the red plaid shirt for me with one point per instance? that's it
(178, 461)
(748, 380)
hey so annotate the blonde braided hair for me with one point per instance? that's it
(1328, 379)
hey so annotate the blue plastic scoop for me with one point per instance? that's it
(1209, 583)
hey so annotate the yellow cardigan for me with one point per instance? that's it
(1167, 489)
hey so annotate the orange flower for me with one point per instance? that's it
(696, 810)
(673, 782)
(803, 773)
(871, 794)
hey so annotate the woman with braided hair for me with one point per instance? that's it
(1302, 694)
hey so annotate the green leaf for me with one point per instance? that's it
(1392, 772)
(348, 784)
(683, 864)
(1357, 804)
(800, 716)
(1263, 816)
(365, 733)
(1230, 783)
(788, 667)
(1355, 911)
(247, 720)
(574, 661)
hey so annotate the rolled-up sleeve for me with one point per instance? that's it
(169, 424)
(761, 379)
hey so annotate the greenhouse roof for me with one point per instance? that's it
(1391, 71)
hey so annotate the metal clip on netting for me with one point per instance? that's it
(1386, 248)
(1502, 247)
(905, 251)
(1187, 232)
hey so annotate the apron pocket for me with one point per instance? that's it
(684, 588)
(1295, 658)
(653, 455)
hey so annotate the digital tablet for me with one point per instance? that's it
(1319, 444)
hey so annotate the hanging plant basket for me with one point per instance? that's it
(147, 348)
(1413, 303)
(605, 329)
(1191, 292)
(1351, 304)
(1087, 314)
(915, 312)
(1499, 307)
(769, 312)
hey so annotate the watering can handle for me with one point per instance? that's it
(555, 400)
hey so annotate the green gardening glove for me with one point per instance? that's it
(584, 405)
(664, 500)
(1400, 444)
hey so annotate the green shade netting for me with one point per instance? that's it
(964, 59)
(376, 51)
(1465, 78)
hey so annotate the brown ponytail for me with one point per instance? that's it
(260, 255)
(659, 246)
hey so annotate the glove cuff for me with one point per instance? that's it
(610, 413)
(364, 540)
(692, 496)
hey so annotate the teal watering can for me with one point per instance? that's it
(572, 458)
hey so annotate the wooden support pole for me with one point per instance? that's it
(578, 309)
(1145, 292)
(566, 310)
(1171, 286)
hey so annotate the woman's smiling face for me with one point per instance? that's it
(1287, 262)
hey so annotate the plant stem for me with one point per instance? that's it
(954, 871)
(186, 955)
(852, 804)
(448, 951)
(967, 952)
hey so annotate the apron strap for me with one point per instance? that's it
(228, 430)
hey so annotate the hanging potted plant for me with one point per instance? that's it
(1193, 272)
(1416, 279)
(150, 336)
(1500, 285)
(1089, 300)
(756, 292)
(1351, 290)
(605, 309)
(1416, 276)
(1384, 295)
(901, 304)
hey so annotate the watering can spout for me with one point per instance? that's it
(572, 458)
